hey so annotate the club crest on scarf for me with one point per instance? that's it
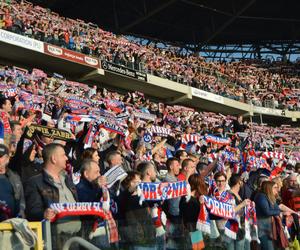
(163, 190)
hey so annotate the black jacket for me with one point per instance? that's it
(135, 221)
(20, 162)
(40, 192)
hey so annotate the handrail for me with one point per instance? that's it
(36, 226)
(81, 242)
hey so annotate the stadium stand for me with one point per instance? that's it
(273, 85)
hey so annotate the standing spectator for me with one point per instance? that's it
(12, 202)
(221, 193)
(148, 172)
(267, 208)
(235, 183)
(173, 167)
(190, 209)
(171, 208)
(135, 221)
(188, 168)
(89, 189)
(181, 155)
(52, 186)
(5, 105)
(16, 130)
(90, 154)
(113, 158)
(289, 189)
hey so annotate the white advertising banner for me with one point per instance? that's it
(207, 96)
(22, 41)
(269, 111)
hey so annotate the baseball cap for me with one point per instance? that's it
(3, 150)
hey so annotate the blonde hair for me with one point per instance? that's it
(267, 189)
(278, 181)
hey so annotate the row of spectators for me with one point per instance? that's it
(274, 85)
(63, 140)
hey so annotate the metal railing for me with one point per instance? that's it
(82, 242)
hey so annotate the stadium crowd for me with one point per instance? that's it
(62, 140)
(274, 85)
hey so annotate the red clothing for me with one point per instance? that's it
(295, 203)
(287, 196)
(181, 177)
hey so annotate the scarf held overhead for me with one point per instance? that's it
(49, 132)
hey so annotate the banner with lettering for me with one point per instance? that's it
(158, 191)
(220, 209)
(161, 131)
(48, 132)
(217, 140)
(77, 209)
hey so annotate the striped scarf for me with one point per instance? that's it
(275, 155)
(251, 223)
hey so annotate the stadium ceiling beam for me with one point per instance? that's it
(179, 99)
(275, 50)
(148, 15)
(270, 19)
(231, 20)
(202, 6)
(91, 75)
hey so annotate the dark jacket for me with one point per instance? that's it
(264, 208)
(87, 191)
(20, 162)
(135, 223)
(40, 192)
(189, 212)
(17, 193)
(16, 183)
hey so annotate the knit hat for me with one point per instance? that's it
(3, 150)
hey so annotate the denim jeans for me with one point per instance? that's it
(136, 247)
(266, 243)
(160, 242)
(235, 244)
